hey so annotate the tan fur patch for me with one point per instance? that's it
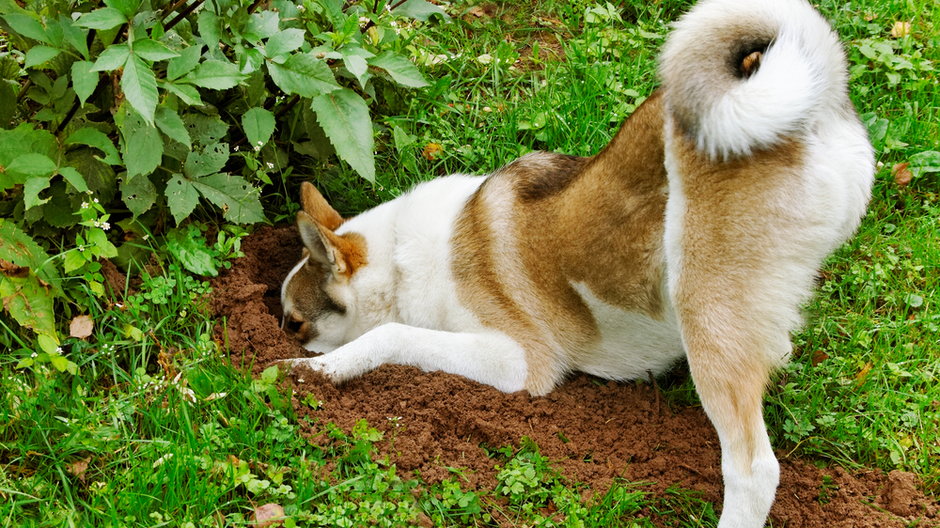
(565, 220)
(741, 218)
(315, 205)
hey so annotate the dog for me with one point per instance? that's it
(696, 233)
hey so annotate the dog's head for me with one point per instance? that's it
(317, 296)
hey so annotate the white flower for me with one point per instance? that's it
(96, 200)
(33, 355)
(58, 350)
(302, 8)
(270, 165)
(85, 205)
(486, 58)
(236, 148)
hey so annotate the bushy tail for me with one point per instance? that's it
(740, 75)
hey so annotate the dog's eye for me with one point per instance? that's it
(293, 324)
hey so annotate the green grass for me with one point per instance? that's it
(158, 429)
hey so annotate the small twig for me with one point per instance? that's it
(178, 4)
(23, 90)
(393, 7)
(183, 14)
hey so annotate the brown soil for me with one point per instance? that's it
(592, 430)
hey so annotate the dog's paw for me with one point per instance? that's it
(338, 367)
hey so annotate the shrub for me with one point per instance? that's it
(119, 119)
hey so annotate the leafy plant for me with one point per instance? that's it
(121, 117)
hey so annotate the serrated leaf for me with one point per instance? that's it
(128, 7)
(29, 303)
(97, 139)
(27, 26)
(101, 246)
(140, 87)
(400, 69)
(104, 18)
(344, 116)
(419, 9)
(216, 75)
(75, 36)
(40, 55)
(143, 148)
(75, 178)
(205, 129)
(259, 125)
(284, 42)
(139, 194)
(208, 24)
(84, 80)
(304, 75)
(187, 93)
(207, 161)
(31, 165)
(184, 63)
(74, 259)
(31, 190)
(153, 50)
(237, 198)
(191, 252)
(181, 197)
(357, 65)
(112, 58)
(261, 25)
(20, 249)
(169, 122)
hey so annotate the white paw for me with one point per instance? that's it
(338, 366)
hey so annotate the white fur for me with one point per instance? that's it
(801, 76)
(401, 306)
(631, 344)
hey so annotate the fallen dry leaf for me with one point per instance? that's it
(81, 327)
(477, 11)
(902, 173)
(863, 374)
(819, 356)
(431, 151)
(900, 29)
(269, 514)
(79, 468)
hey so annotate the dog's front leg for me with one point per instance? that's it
(490, 358)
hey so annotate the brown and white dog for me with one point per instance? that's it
(697, 233)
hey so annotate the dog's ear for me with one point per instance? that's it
(341, 254)
(315, 205)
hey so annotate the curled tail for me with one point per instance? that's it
(742, 75)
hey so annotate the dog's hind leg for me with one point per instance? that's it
(730, 380)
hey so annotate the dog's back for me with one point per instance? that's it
(565, 255)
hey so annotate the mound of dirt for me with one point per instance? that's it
(592, 430)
